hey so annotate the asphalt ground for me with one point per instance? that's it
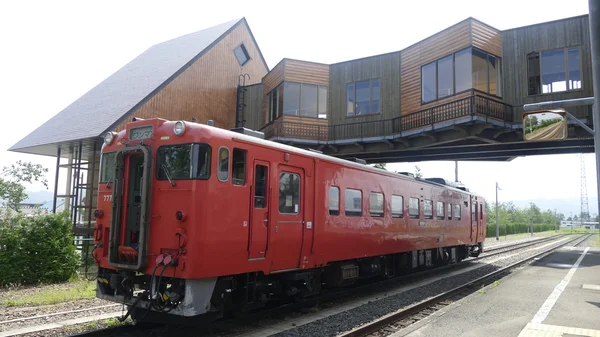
(558, 295)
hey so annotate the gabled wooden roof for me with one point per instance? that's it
(105, 106)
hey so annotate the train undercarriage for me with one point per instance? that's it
(177, 300)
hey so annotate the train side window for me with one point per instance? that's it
(449, 211)
(398, 206)
(473, 211)
(457, 212)
(289, 193)
(238, 172)
(376, 204)
(440, 210)
(223, 170)
(353, 202)
(428, 209)
(481, 211)
(260, 190)
(413, 208)
(334, 200)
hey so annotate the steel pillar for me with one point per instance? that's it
(594, 18)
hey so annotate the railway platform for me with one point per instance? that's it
(558, 295)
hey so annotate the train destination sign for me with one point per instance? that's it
(143, 132)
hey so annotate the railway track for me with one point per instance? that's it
(362, 290)
(393, 322)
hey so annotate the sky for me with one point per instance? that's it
(54, 52)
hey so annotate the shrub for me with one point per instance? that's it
(37, 250)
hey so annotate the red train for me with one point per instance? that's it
(194, 219)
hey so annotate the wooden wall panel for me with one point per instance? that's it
(253, 113)
(385, 67)
(437, 46)
(207, 89)
(518, 42)
(486, 37)
(306, 72)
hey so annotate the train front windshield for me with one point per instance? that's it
(183, 162)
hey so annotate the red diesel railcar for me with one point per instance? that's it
(194, 219)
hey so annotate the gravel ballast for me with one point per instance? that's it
(343, 321)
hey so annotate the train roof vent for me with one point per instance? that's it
(249, 132)
(407, 174)
(449, 183)
(313, 150)
(356, 160)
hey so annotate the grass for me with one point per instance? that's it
(596, 242)
(47, 295)
(577, 230)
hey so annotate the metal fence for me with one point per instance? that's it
(474, 105)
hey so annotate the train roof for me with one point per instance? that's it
(256, 137)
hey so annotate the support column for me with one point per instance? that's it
(594, 15)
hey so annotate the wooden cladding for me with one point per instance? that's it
(385, 68)
(290, 70)
(486, 38)
(207, 88)
(253, 98)
(306, 72)
(437, 46)
(519, 42)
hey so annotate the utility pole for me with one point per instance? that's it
(497, 226)
(455, 171)
(531, 218)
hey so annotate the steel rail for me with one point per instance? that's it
(384, 321)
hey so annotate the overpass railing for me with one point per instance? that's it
(473, 105)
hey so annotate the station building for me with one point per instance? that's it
(456, 95)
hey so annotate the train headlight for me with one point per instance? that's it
(109, 137)
(179, 128)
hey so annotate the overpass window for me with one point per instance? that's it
(289, 193)
(376, 204)
(363, 98)
(398, 206)
(413, 208)
(552, 71)
(334, 200)
(440, 210)
(428, 209)
(428, 83)
(238, 172)
(445, 73)
(322, 109)
(223, 169)
(462, 70)
(470, 68)
(457, 214)
(353, 202)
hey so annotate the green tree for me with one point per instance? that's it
(13, 178)
(418, 173)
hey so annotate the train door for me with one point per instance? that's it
(259, 213)
(481, 225)
(474, 220)
(288, 206)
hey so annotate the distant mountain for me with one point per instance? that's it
(41, 197)
(565, 206)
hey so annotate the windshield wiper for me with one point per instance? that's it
(164, 167)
